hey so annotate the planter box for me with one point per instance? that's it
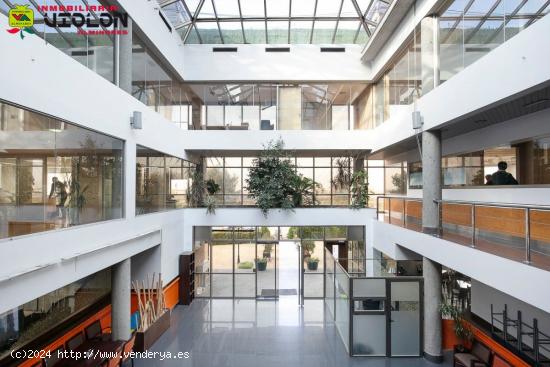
(145, 339)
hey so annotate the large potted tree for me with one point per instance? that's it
(274, 183)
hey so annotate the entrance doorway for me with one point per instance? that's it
(268, 263)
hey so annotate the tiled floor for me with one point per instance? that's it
(244, 333)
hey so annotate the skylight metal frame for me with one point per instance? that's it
(195, 19)
(488, 15)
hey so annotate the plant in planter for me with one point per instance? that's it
(154, 317)
(201, 194)
(274, 183)
(312, 263)
(261, 264)
(462, 332)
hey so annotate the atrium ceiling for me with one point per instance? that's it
(275, 21)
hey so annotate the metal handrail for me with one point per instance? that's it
(527, 208)
(466, 202)
(493, 204)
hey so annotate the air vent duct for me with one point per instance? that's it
(277, 49)
(224, 49)
(333, 49)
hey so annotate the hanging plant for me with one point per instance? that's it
(359, 190)
(201, 191)
(274, 183)
(343, 176)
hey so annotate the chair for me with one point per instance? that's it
(266, 125)
(126, 349)
(75, 342)
(479, 356)
(54, 357)
(94, 331)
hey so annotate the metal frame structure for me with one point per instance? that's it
(493, 13)
(180, 10)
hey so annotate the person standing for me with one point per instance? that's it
(501, 177)
(60, 192)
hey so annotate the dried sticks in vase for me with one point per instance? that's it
(150, 297)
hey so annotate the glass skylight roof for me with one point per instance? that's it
(275, 21)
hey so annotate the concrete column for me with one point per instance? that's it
(121, 301)
(431, 181)
(196, 113)
(432, 317)
(124, 53)
(429, 48)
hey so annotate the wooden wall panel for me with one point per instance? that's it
(459, 214)
(508, 221)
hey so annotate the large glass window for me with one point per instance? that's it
(28, 322)
(526, 162)
(468, 30)
(231, 173)
(54, 174)
(278, 106)
(162, 181)
(248, 262)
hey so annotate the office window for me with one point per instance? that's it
(54, 174)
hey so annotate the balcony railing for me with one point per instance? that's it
(514, 231)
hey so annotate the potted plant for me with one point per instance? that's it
(154, 316)
(261, 264)
(462, 332)
(312, 263)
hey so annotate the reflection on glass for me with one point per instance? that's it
(38, 317)
(162, 181)
(54, 174)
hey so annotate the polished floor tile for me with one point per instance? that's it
(244, 333)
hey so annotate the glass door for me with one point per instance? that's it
(405, 318)
(266, 270)
(288, 269)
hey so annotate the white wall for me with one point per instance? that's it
(516, 279)
(483, 296)
(251, 63)
(303, 140)
(145, 14)
(513, 67)
(64, 88)
(254, 217)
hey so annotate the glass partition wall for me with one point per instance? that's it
(375, 316)
(162, 181)
(54, 174)
(269, 262)
(277, 106)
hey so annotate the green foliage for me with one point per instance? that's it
(212, 187)
(313, 260)
(462, 331)
(274, 183)
(343, 177)
(308, 247)
(246, 265)
(200, 194)
(359, 190)
(399, 183)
